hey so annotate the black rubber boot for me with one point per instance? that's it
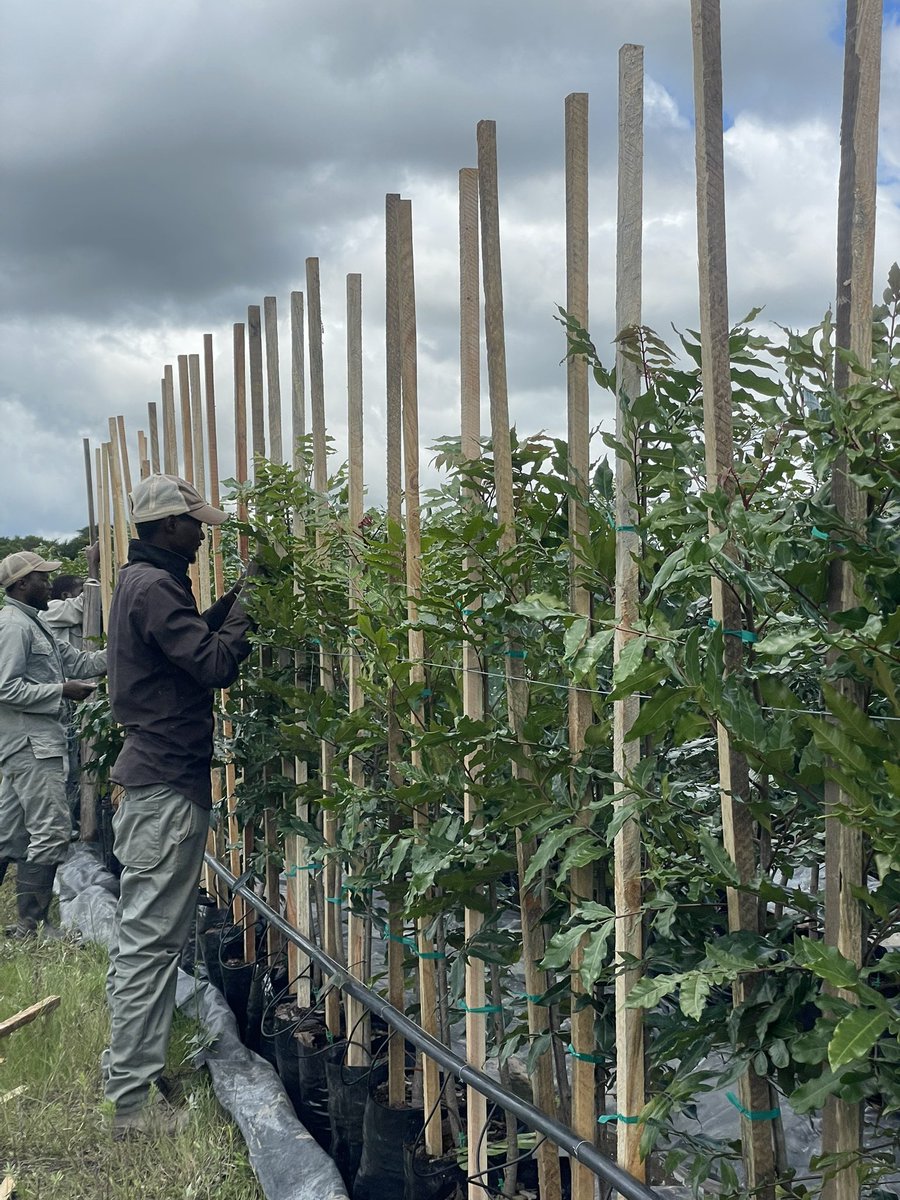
(5, 864)
(34, 892)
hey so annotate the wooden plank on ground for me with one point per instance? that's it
(27, 1015)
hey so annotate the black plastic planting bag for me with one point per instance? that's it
(432, 1178)
(385, 1132)
(302, 1048)
(348, 1090)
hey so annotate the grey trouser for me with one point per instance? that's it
(159, 840)
(34, 813)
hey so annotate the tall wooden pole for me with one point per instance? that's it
(416, 639)
(104, 529)
(844, 855)
(358, 926)
(170, 437)
(187, 433)
(630, 1096)
(89, 484)
(125, 469)
(516, 685)
(299, 885)
(273, 379)
(734, 781)
(243, 838)
(394, 477)
(331, 917)
(473, 677)
(204, 598)
(143, 454)
(257, 402)
(118, 500)
(153, 426)
(584, 1104)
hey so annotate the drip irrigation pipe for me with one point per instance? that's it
(577, 1148)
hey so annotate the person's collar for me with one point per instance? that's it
(34, 613)
(166, 560)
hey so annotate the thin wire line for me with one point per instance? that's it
(565, 687)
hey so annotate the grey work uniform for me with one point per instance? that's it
(165, 660)
(33, 750)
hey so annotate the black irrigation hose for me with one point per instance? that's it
(576, 1147)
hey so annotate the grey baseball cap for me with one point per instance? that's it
(23, 562)
(160, 496)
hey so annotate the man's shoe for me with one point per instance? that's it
(151, 1121)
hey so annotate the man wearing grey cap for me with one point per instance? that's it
(165, 661)
(37, 675)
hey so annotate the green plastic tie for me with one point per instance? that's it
(516, 653)
(484, 1008)
(534, 999)
(423, 695)
(333, 899)
(431, 955)
(820, 534)
(588, 1058)
(295, 867)
(401, 941)
(608, 1117)
(745, 635)
(621, 528)
(771, 1114)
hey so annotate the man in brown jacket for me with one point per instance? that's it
(165, 661)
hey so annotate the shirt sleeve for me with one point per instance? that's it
(82, 664)
(16, 689)
(211, 657)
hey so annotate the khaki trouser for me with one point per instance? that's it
(159, 840)
(34, 811)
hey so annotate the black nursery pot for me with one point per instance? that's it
(218, 943)
(385, 1133)
(302, 1048)
(431, 1178)
(348, 1090)
(264, 989)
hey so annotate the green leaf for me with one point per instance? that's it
(831, 739)
(717, 857)
(855, 1035)
(695, 988)
(813, 1094)
(656, 713)
(852, 718)
(630, 659)
(648, 992)
(575, 636)
(827, 962)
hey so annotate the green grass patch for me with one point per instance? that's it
(53, 1137)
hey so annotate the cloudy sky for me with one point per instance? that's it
(163, 166)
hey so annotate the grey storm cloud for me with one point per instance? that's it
(164, 166)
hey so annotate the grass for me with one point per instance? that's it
(53, 1139)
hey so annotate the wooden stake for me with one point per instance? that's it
(143, 454)
(120, 520)
(153, 426)
(409, 372)
(358, 927)
(89, 484)
(844, 851)
(276, 454)
(299, 887)
(630, 1097)
(330, 919)
(393, 386)
(244, 839)
(170, 436)
(516, 685)
(257, 409)
(187, 436)
(27, 1015)
(734, 782)
(104, 530)
(212, 438)
(204, 597)
(125, 468)
(473, 677)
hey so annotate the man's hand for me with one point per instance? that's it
(75, 689)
